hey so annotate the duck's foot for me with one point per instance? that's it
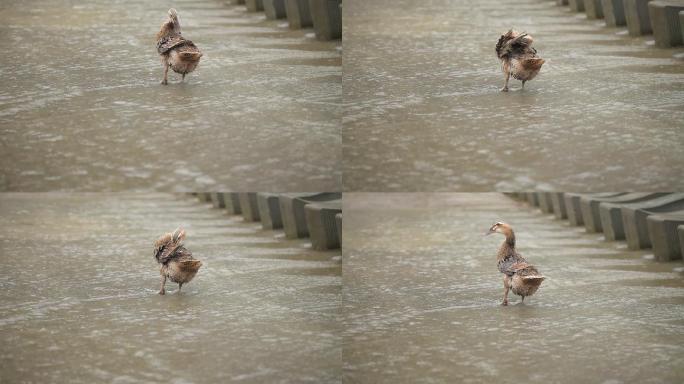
(161, 292)
(504, 89)
(164, 82)
(504, 303)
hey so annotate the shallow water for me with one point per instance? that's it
(81, 107)
(423, 111)
(422, 294)
(79, 303)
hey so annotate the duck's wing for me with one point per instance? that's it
(182, 254)
(526, 271)
(513, 264)
(512, 44)
(168, 43)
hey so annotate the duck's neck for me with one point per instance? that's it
(169, 28)
(176, 26)
(510, 237)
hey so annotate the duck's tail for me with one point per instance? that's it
(533, 64)
(190, 55)
(190, 265)
(533, 279)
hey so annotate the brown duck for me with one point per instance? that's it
(519, 276)
(518, 58)
(176, 51)
(177, 263)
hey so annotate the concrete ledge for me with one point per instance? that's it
(249, 206)
(593, 9)
(292, 211)
(611, 217)
(637, 17)
(576, 5)
(298, 14)
(662, 229)
(545, 203)
(254, 5)
(590, 216)
(574, 209)
(590, 207)
(532, 198)
(274, 9)
(204, 197)
(338, 222)
(269, 210)
(516, 195)
(614, 12)
(217, 200)
(665, 22)
(572, 206)
(231, 202)
(634, 218)
(680, 234)
(558, 203)
(322, 224)
(611, 221)
(327, 18)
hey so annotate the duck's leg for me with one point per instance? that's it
(523, 86)
(183, 78)
(505, 87)
(163, 282)
(166, 74)
(180, 285)
(507, 286)
(523, 300)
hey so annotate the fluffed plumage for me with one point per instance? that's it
(177, 263)
(518, 58)
(177, 52)
(519, 276)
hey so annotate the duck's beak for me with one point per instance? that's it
(489, 233)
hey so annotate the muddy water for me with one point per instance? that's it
(78, 299)
(422, 293)
(81, 107)
(424, 112)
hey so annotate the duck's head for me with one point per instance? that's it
(500, 227)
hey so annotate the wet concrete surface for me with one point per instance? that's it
(422, 298)
(81, 107)
(423, 111)
(79, 302)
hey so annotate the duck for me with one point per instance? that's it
(176, 261)
(176, 52)
(518, 58)
(519, 276)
